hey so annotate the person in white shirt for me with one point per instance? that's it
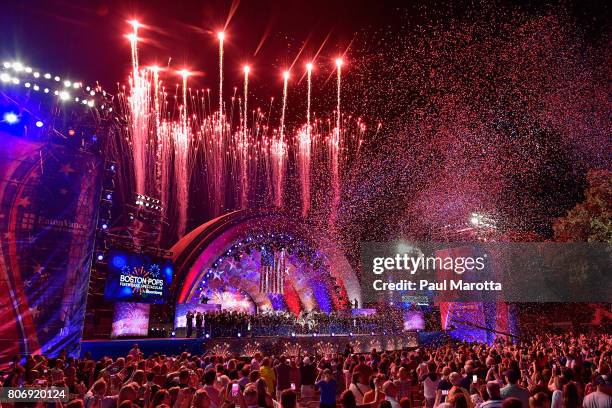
(495, 399)
(600, 398)
(390, 391)
(358, 389)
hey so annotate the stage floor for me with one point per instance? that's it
(242, 345)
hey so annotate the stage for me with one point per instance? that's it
(244, 345)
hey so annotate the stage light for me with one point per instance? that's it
(39, 124)
(474, 221)
(314, 334)
(67, 83)
(104, 226)
(11, 118)
(28, 69)
(36, 74)
(372, 333)
(333, 334)
(27, 84)
(173, 334)
(36, 87)
(293, 334)
(246, 69)
(64, 96)
(309, 66)
(109, 196)
(286, 75)
(90, 103)
(46, 90)
(100, 257)
(71, 132)
(239, 334)
(48, 75)
(56, 78)
(221, 35)
(92, 93)
(4, 77)
(15, 81)
(207, 336)
(6, 64)
(18, 66)
(339, 62)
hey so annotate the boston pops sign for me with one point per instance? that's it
(142, 281)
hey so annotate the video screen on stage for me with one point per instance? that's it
(413, 320)
(137, 278)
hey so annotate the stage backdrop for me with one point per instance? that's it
(48, 207)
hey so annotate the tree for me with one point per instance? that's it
(590, 220)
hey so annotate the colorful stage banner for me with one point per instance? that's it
(49, 197)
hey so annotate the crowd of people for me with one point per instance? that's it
(548, 371)
(280, 323)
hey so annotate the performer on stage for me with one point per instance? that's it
(199, 318)
(189, 323)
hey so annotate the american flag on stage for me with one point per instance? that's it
(272, 272)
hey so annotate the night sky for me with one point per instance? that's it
(84, 39)
(492, 106)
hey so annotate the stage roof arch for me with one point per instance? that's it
(195, 253)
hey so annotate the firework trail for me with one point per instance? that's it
(244, 146)
(221, 37)
(335, 151)
(279, 151)
(139, 102)
(182, 136)
(305, 141)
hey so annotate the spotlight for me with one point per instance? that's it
(100, 257)
(109, 196)
(221, 35)
(39, 124)
(239, 334)
(207, 336)
(104, 226)
(309, 66)
(5, 77)
(11, 118)
(173, 334)
(339, 62)
(64, 96)
(18, 66)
